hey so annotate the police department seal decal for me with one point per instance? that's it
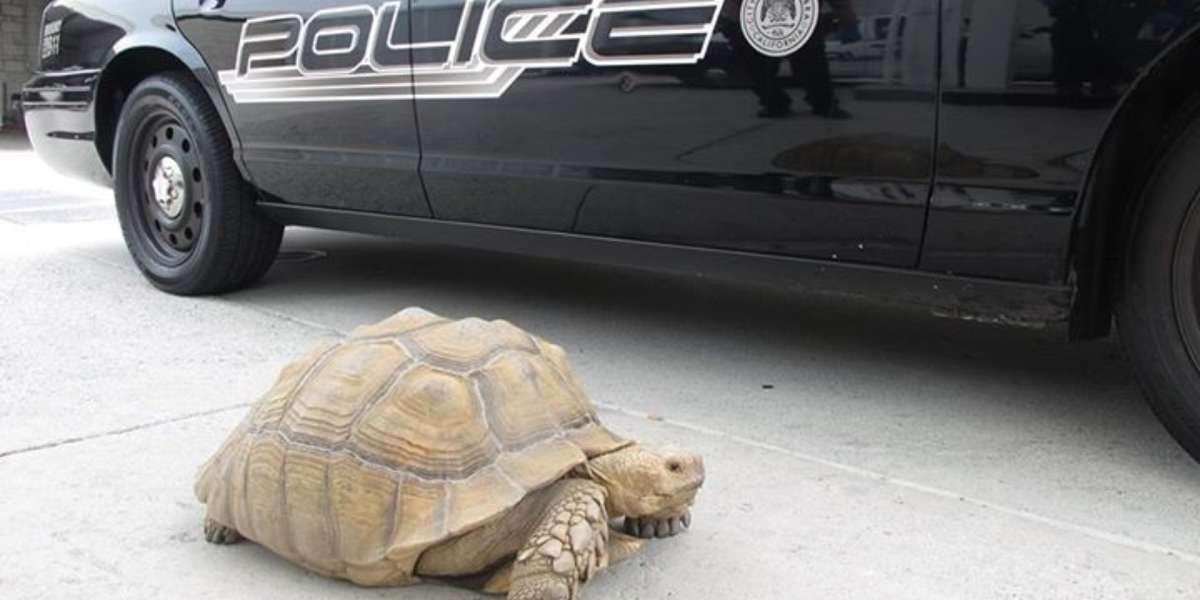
(779, 27)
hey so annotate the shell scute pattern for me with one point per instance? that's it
(311, 531)
(514, 376)
(363, 509)
(332, 396)
(264, 493)
(535, 465)
(474, 499)
(421, 517)
(429, 424)
(411, 431)
(400, 323)
(270, 408)
(466, 345)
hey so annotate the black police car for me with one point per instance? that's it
(1014, 161)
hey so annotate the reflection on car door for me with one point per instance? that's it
(300, 143)
(668, 125)
(1025, 101)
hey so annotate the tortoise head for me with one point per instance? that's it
(653, 488)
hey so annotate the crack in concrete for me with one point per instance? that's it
(115, 432)
(1061, 525)
(287, 318)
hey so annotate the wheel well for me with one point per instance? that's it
(1141, 130)
(122, 74)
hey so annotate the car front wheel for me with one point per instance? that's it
(1158, 313)
(188, 218)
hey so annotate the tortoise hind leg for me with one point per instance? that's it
(217, 533)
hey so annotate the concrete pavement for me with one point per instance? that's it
(853, 450)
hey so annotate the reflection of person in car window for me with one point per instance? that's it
(809, 64)
(1091, 40)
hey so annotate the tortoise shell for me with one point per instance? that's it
(408, 433)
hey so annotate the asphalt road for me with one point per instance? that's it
(853, 450)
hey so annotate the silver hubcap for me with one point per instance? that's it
(170, 191)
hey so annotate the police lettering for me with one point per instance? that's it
(417, 35)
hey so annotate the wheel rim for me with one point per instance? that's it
(1186, 284)
(171, 203)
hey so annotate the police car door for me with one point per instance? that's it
(757, 125)
(291, 73)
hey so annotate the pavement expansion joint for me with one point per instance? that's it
(123, 430)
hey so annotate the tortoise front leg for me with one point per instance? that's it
(569, 545)
(620, 547)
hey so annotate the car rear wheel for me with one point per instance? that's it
(1159, 310)
(188, 218)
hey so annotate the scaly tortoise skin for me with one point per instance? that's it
(421, 447)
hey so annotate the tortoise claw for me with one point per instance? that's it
(674, 526)
(647, 528)
(642, 528)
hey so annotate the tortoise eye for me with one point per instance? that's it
(674, 466)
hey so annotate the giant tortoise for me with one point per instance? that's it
(425, 448)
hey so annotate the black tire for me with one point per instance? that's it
(1158, 312)
(208, 236)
